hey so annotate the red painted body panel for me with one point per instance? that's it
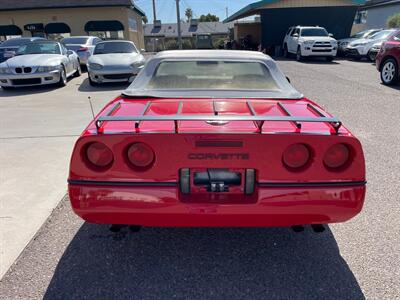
(120, 193)
(389, 49)
(164, 207)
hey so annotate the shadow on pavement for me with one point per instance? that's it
(21, 91)
(86, 87)
(202, 263)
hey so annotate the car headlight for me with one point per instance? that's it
(44, 69)
(358, 44)
(138, 64)
(308, 42)
(95, 66)
(5, 71)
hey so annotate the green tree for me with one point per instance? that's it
(188, 14)
(394, 21)
(208, 18)
(145, 20)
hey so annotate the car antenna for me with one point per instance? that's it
(91, 107)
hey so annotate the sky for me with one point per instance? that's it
(166, 9)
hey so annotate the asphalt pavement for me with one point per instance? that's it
(70, 259)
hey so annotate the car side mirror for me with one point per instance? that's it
(288, 79)
(296, 35)
(330, 34)
(70, 52)
(142, 50)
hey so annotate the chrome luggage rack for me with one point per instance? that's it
(258, 120)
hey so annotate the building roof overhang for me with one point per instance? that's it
(254, 8)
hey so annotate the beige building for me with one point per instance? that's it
(108, 19)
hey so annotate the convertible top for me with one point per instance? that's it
(139, 87)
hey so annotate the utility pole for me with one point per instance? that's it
(154, 11)
(178, 19)
(227, 12)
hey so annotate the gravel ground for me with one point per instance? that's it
(69, 259)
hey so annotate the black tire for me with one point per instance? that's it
(389, 72)
(285, 51)
(78, 71)
(91, 82)
(299, 57)
(371, 56)
(63, 77)
(329, 58)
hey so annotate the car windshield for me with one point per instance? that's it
(381, 35)
(314, 32)
(15, 42)
(75, 40)
(39, 48)
(114, 47)
(210, 74)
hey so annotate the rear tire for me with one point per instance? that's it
(389, 72)
(285, 51)
(78, 71)
(299, 57)
(63, 77)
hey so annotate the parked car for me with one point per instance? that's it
(215, 138)
(9, 47)
(388, 59)
(82, 45)
(342, 43)
(305, 41)
(39, 63)
(361, 48)
(114, 61)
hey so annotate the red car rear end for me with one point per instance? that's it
(216, 162)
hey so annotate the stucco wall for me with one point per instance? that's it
(76, 18)
(377, 16)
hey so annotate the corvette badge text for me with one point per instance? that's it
(219, 156)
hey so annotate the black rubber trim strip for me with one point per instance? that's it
(122, 183)
(311, 184)
(175, 184)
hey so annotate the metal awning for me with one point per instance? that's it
(106, 25)
(10, 30)
(57, 28)
(254, 8)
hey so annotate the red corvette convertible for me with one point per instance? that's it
(215, 138)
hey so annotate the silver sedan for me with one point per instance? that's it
(114, 61)
(39, 63)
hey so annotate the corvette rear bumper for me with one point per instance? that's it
(164, 206)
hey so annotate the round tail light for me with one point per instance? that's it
(99, 155)
(296, 156)
(140, 155)
(336, 156)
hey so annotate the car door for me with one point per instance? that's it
(395, 49)
(68, 58)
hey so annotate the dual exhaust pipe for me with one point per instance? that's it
(317, 228)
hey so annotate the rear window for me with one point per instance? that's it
(15, 42)
(218, 75)
(77, 41)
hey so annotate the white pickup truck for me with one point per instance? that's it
(305, 41)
